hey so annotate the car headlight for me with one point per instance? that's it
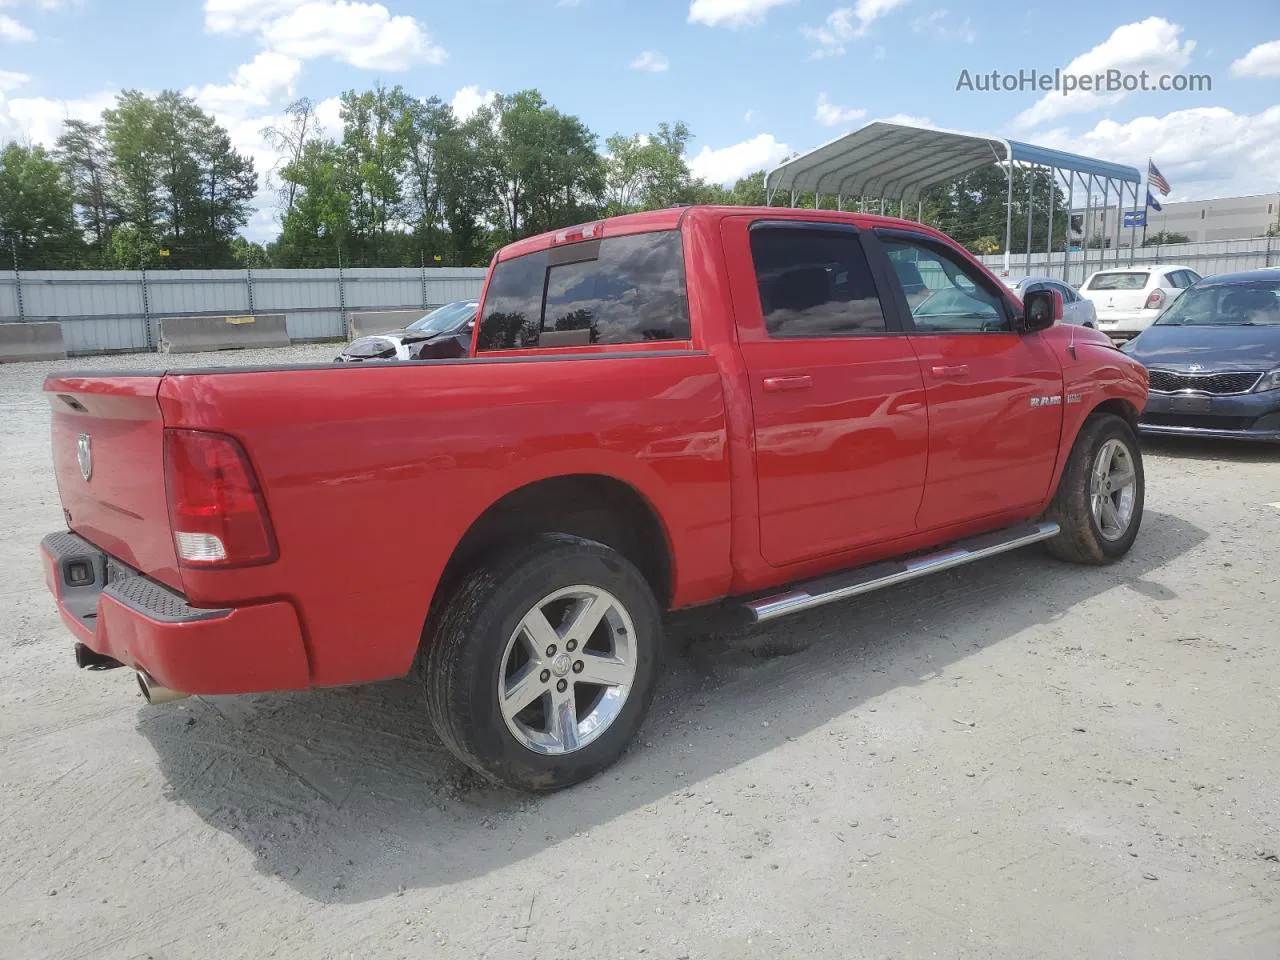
(1269, 381)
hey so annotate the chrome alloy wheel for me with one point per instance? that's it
(567, 670)
(1113, 489)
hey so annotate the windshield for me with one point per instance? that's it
(446, 319)
(1119, 281)
(1252, 303)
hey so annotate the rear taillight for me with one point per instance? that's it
(216, 510)
(1155, 301)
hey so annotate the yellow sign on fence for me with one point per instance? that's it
(240, 320)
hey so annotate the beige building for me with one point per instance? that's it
(1225, 218)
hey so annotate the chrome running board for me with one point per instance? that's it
(854, 583)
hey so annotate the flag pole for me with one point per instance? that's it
(1146, 203)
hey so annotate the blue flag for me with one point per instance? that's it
(1152, 202)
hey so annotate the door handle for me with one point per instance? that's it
(778, 384)
(959, 370)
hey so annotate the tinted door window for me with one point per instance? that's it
(944, 293)
(618, 290)
(814, 283)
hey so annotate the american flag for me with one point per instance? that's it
(1156, 179)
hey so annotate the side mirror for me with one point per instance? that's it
(1041, 309)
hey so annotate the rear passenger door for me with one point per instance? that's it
(839, 418)
(994, 394)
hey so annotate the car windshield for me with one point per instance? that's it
(1119, 281)
(1251, 303)
(446, 319)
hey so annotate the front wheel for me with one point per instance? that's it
(543, 664)
(1100, 497)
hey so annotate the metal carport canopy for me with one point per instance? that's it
(901, 161)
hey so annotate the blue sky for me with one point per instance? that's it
(754, 79)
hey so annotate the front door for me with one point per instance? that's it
(994, 394)
(841, 429)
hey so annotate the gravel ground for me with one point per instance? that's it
(1018, 759)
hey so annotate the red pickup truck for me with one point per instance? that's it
(759, 409)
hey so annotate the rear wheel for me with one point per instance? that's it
(1100, 498)
(543, 663)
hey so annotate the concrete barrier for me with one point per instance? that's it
(31, 341)
(204, 334)
(367, 323)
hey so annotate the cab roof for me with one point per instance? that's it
(671, 218)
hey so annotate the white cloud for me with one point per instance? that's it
(244, 16)
(748, 116)
(39, 119)
(1262, 61)
(728, 164)
(469, 99)
(13, 31)
(11, 80)
(266, 80)
(909, 119)
(1151, 44)
(732, 13)
(652, 61)
(1203, 151)
(940, 23)
(360, 33)
(364, 35)
(329, 115)
(832, 115)
(846, 24)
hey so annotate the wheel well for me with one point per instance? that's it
(1121, 408)
(593, 507)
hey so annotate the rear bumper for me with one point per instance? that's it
(1125, 324)
(1248, 416)
(121, 614)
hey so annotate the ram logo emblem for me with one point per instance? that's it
(1052, 401)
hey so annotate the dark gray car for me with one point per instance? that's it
(1214, 360)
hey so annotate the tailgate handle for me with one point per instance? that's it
(778, 384)
(959, 370)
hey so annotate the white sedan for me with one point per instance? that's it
(1129, 299)
(1075, 308)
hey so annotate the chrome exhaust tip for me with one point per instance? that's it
(156, 694)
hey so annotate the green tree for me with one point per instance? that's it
(84, 155)
(289, 139)
(37, 209)
(649, 171)
(248, 255)
(547, 171)
(1163, 237)
(315, 230)
(130, 129)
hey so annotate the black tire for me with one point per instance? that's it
(1081, 539)
(463, 659)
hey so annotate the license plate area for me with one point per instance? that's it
(1190, 404)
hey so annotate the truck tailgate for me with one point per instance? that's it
(108, 455)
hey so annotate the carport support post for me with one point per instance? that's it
(1106, 201)
(1008, 214)
(1048, 237)
(1133, 226)
(1031, 179)
(1088, 228)
(1066, 233)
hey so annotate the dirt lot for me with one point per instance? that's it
(1019, 759)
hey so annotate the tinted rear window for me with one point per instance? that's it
(631, 291)
(1119, 281)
